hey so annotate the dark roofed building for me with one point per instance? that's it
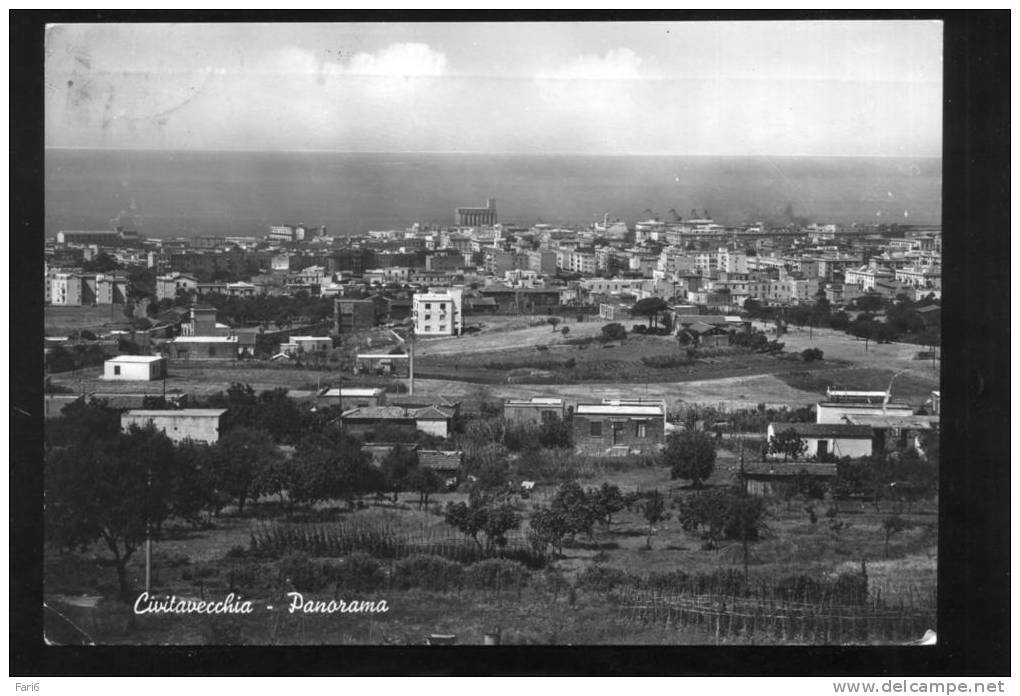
(443, 462)
(767, 478)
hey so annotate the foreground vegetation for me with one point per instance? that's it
(664, 549)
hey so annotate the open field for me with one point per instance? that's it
(459, 366)
(61, 321)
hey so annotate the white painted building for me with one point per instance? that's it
(135, 368)
(306, 344)
(438, 313)
(828, 439)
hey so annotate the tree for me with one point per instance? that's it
(240, 456)
(395, 468)
(553, 321)
(555, 432)
(498, 521)
(787, 443)
(468, 519)
(614, 332)
(577, 508)
(607, 500)
(723, 513)
(689, 455)
(650, 307)
(424, 482)
(482, 516)
(565, 330)
(549, 527)
(891, 526)
(114, 490)
(654, 510)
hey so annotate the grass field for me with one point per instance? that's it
(61, 321)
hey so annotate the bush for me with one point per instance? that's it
(359, 572)
(639, 329)
(811, 354)
(599, 578)
(246, 578)
(427, 572)
(614, 332)
(496, 574)
(298, 570)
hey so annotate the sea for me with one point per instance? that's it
(189, 193)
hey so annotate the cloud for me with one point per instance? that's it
(398, 60)
(616, 64)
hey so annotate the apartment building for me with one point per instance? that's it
(438, 313)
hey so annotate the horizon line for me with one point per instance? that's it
(474, 152)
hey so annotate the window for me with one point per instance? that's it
(641, 429)
(116, 369)
(595, 428)
(428, 305)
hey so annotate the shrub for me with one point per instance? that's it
(359, 572)
(427, 572)
(599, 578)
(246, 578)
(811, 354)
(496, 574)
(298, 570)
(614, 332)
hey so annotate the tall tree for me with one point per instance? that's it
(654, 510)
(689, 454)
(240, 456)
(650, 307)
(114, 490)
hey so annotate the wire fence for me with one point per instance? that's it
(754, 620)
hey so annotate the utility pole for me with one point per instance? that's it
(743, 505)
(148, 528)
(410, 361)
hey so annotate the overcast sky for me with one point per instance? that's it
(740, 88)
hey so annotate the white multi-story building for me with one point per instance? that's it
(65, 289)
(438, 313)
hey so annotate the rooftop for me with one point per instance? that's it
(204, 339)
(179, 413)
(136, 358)
(834, 430)
(618, 410)
(788, 469)
(367, 391)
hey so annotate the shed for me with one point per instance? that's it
(136, 368)
(766, 478)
